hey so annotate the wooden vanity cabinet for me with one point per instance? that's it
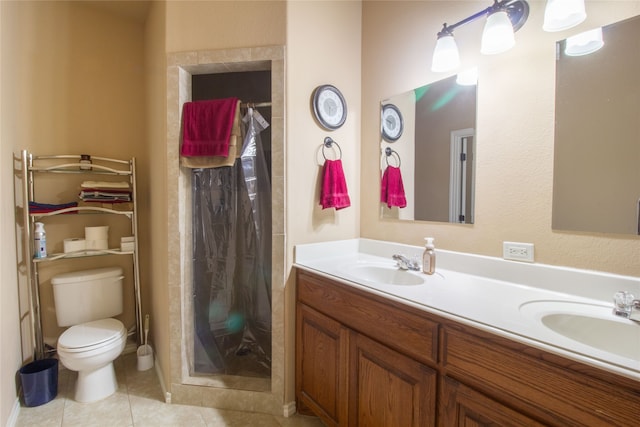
(365, 360)
(362, 360)
(460, 405)
(552, 389)
(321, 366)
(387, 388)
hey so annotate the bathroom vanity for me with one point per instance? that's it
(390, 350)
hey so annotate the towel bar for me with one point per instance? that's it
(328, 143)
(389, 153)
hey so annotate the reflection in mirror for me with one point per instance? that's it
(596, 180)
(436, 149)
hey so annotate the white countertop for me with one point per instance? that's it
(488, 293)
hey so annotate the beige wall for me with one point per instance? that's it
(514, 131)
(11, 357)
(207, 25)
(72, 82)
(154, 254)
(319, 53)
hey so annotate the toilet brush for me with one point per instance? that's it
(146, 332)
(145, 352)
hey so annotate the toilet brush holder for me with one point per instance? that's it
(145, 357)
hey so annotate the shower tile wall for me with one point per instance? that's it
(206, 391)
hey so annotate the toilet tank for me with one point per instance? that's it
(86, 295)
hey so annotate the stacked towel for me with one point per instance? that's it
(42, 208)
(333, 193)
(210, 134)
(104, 191)
(392, 188)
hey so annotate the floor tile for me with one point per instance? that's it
(139, 402)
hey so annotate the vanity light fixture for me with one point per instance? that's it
(563, 14)
(504, 18)
(584, 43)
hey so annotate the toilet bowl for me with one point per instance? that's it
(90, 349)
(86, 302)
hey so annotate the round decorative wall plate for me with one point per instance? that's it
(329, 107)
(391, 123)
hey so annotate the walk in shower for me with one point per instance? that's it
(231, 229)
(226, 297)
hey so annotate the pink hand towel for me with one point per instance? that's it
(333, 193)
(392, 188)
(207, 127)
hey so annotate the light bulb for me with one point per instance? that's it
(445, 54)
(584, 43)
(563, 14)
(497, 36)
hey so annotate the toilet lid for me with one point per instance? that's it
(98, 332)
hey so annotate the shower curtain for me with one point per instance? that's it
(232, 263)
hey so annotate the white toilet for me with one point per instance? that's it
(86, 300)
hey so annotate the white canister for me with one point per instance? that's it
(97, 237)
(97, 233)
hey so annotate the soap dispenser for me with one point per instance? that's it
(429, 257)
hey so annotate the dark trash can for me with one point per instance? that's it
(39, 381)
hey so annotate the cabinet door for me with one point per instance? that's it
(321, 366)
(388, 389)
(461, 406)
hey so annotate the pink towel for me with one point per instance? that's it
(333, 193)
(207, 127)
(392, 189)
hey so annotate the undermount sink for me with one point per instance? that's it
(590, 324)
(384, 275)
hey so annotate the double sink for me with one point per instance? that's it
(576, 325)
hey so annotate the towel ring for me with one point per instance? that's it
(328, 143)
(389, 153)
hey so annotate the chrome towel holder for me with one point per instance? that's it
(390, 153)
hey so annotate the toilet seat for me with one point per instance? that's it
(91, 335)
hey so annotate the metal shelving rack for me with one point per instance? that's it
(70, 164)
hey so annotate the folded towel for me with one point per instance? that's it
(216, 161)
(392, 188)
(105, 184)
(333, 193)
(207, 127)
(42, 208)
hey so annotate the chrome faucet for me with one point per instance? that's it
(405, 263)
(626, 306)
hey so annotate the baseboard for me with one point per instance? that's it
(289, 409)
(167, 394)
(15, 411)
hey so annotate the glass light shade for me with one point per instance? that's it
(563, 14)
(468, 77)
(584, 43)
(445, 55)
(497, 36)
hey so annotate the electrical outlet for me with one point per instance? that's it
(517, 251)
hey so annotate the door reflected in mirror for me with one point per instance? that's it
(596, 178)
(435, 151)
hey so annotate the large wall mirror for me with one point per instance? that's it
(429, 133)
(596, 182)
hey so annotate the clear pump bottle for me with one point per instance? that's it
(429, 257)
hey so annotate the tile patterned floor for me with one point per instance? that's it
(139, 402)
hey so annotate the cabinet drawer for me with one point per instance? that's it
(523, 378)
(408, 330)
